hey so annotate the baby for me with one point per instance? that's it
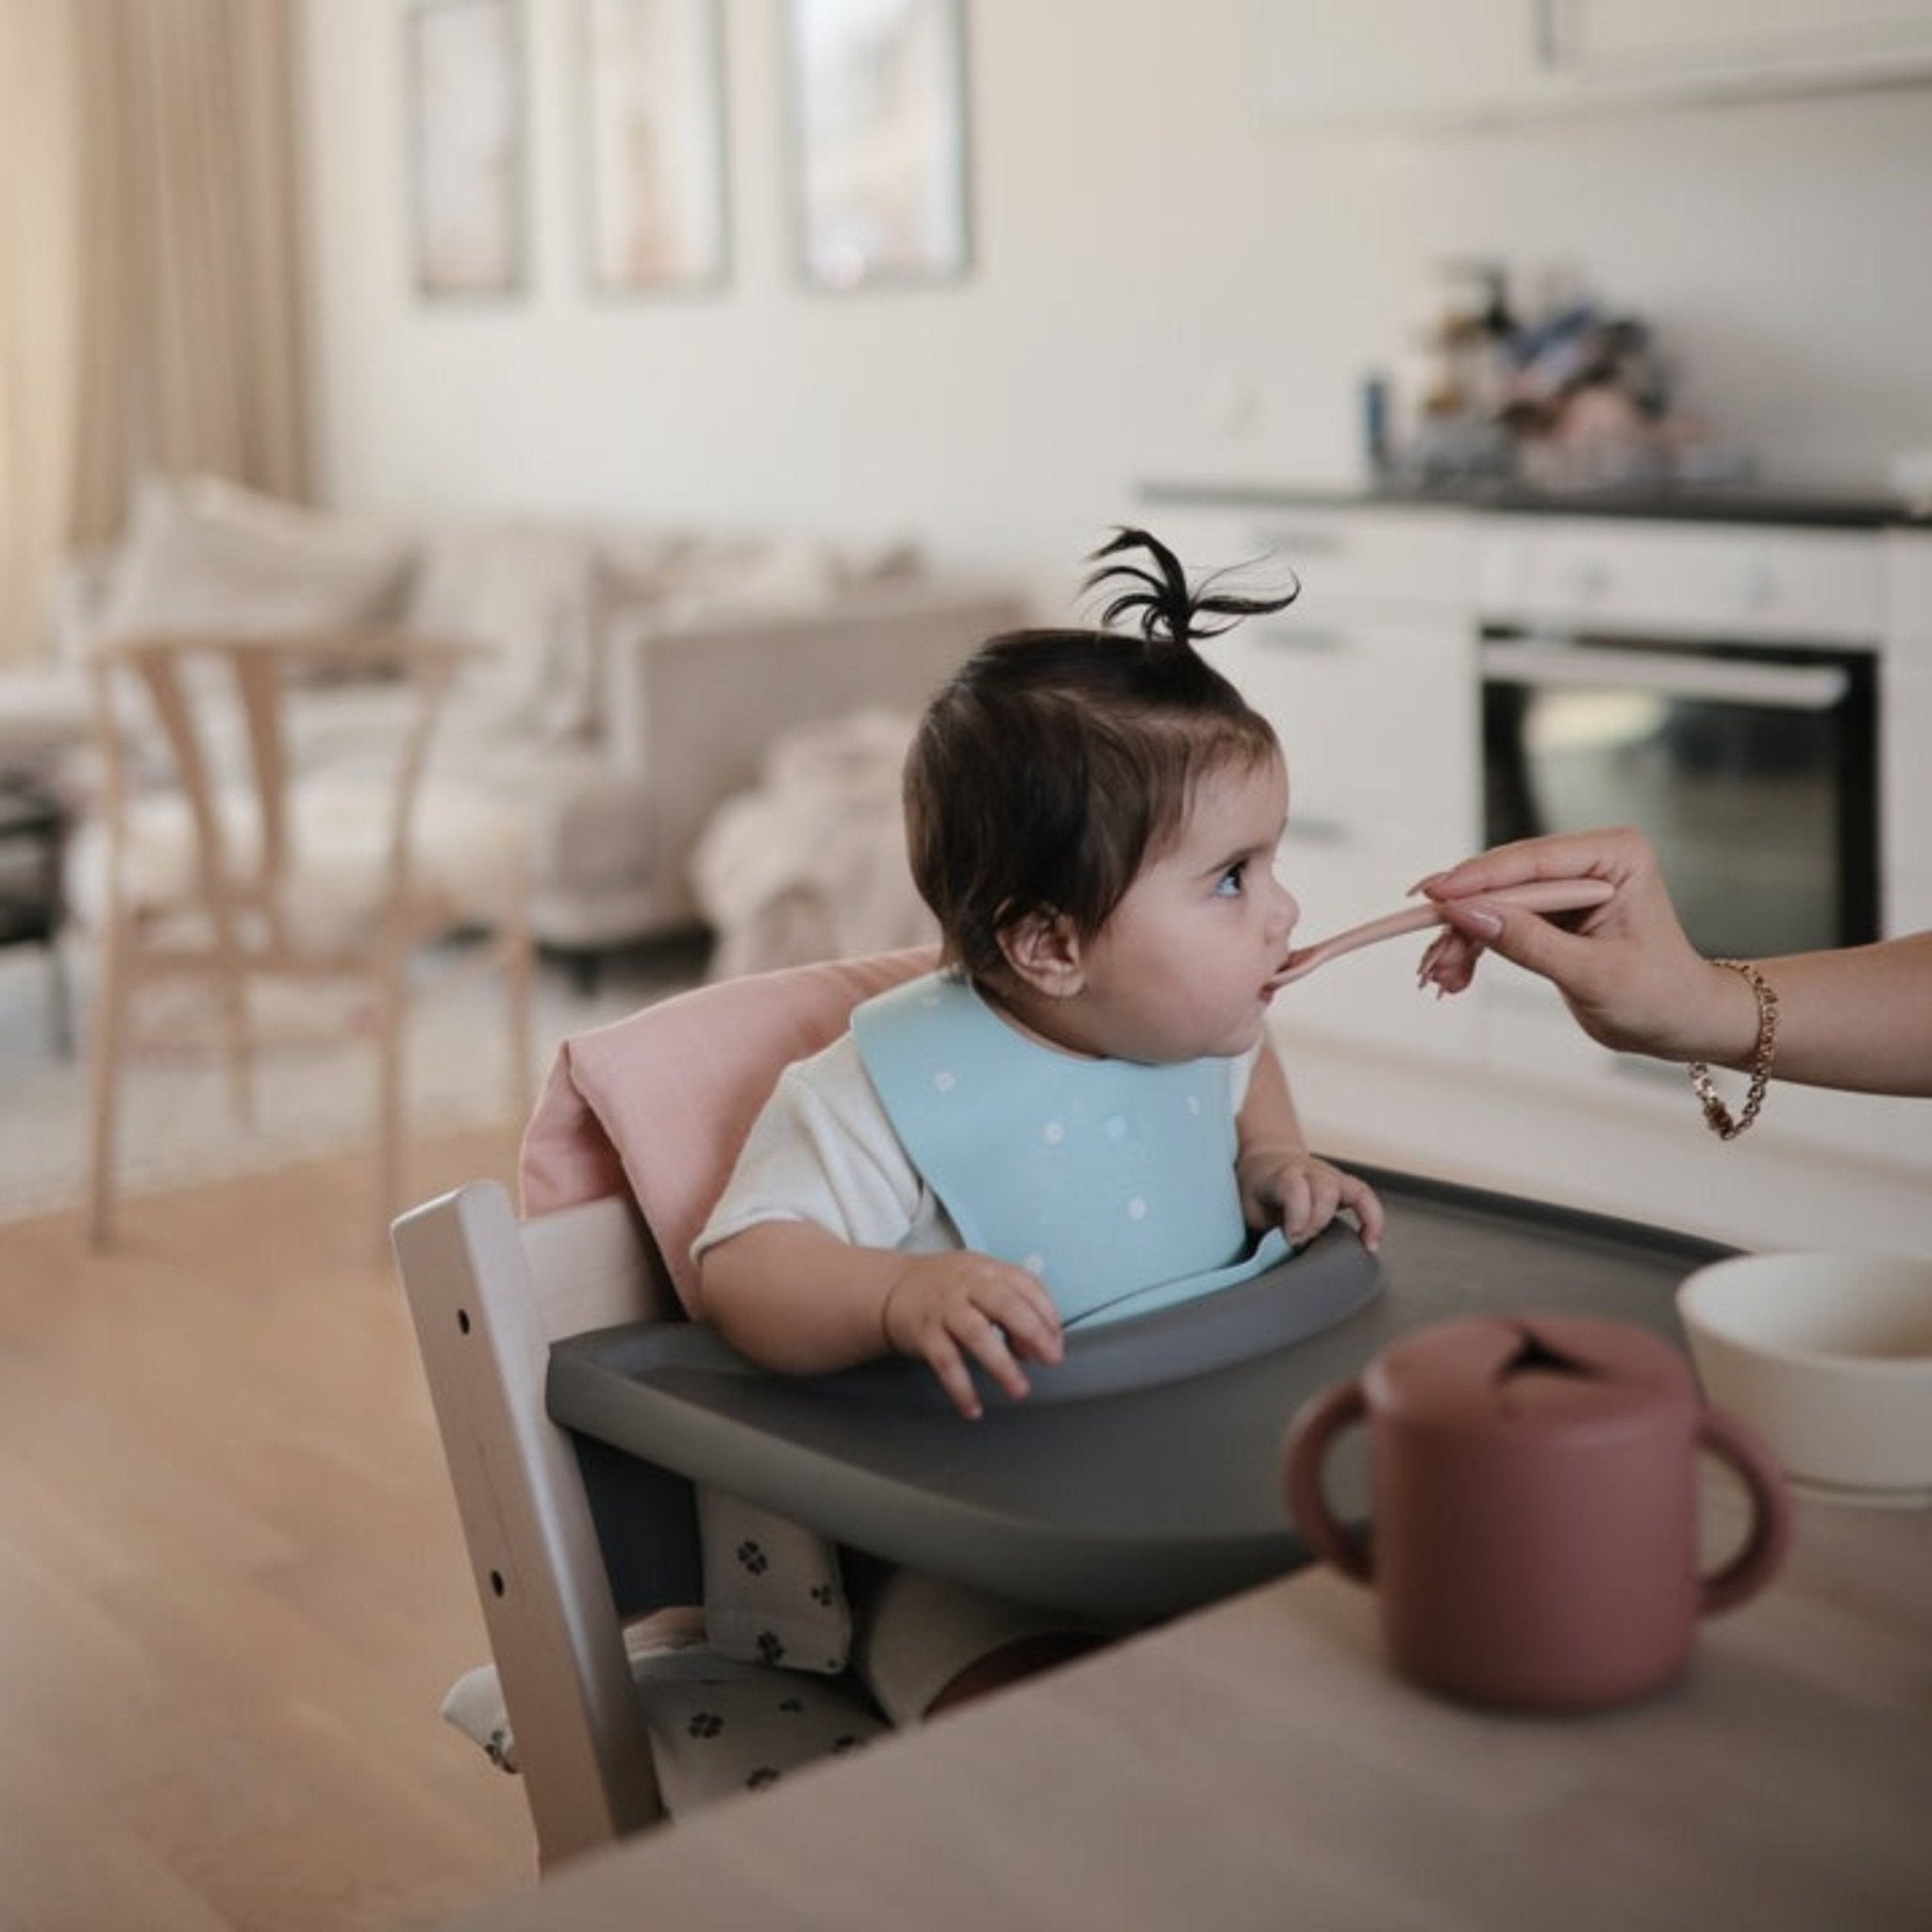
(1080, 1115)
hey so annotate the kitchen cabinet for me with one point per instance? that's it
(1738, 44)
(1769, 582)
(1450, 63)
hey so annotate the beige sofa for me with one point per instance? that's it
(632, 681)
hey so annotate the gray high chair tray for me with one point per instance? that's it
(1141, 1477)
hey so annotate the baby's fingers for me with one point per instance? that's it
(943, 1359)
(1365, 1205)
(1025, 1313)
(1297, 1203)
(986, 1341)
(1325, 1198)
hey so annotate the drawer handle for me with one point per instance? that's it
(1786, 687)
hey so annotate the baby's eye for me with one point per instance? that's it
(1231, 883)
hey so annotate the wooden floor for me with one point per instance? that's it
(232, 1586)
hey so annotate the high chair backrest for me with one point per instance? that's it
(632, 1140)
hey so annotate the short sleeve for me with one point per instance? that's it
(823, 1151)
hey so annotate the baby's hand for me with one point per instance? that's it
(945, 1307)
(1305, 1194)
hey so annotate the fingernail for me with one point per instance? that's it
(1478, 918)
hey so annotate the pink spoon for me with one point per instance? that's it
(1539, 895)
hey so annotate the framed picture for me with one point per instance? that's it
(654, 125)
(465, 101)
(878, 128)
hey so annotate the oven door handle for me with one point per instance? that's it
(1783, 686)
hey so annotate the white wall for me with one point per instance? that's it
(1148, 255)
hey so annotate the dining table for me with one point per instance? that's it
(1260, 1762)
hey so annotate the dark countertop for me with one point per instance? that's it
(1669, 502)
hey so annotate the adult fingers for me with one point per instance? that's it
(1450, 962)
(1614, 853)
(1526, 938)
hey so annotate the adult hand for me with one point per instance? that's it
(945, 1308)
(1624, 968)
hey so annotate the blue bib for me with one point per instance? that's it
(1112, 1181)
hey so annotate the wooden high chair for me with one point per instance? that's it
(577, 1533)
(625, 1153)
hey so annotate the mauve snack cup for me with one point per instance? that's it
(1533, 1508)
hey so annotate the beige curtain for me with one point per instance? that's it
(210, 137)
(39, 307)
(149, 276)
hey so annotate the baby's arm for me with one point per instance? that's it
(797, 1299)
(1282, 1184)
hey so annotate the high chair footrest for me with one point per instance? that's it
(717, 1727)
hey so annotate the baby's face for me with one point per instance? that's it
(1182, 968)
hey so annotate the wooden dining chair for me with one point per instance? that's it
(212, 859)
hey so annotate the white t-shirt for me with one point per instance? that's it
(823, 1151)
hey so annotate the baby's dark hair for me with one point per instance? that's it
(1055, 764)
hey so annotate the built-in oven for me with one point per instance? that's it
(1752, 766)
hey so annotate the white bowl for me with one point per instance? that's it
(1829, 1356)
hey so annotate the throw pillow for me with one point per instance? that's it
(206, 554)
(528, 592)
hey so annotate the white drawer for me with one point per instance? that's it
(1666, 579)
(1345, 560)
(1377, 718)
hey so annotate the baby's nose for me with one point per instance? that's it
(1287, 910)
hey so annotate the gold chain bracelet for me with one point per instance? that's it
(1717, 1116)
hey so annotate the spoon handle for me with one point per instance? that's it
(1537, 895)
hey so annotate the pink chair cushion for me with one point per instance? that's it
(660, 1102)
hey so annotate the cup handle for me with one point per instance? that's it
(1314, 1428)
(1732, 1441)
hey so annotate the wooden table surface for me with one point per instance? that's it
(1258, 1765)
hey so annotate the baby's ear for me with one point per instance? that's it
(1042, 950)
